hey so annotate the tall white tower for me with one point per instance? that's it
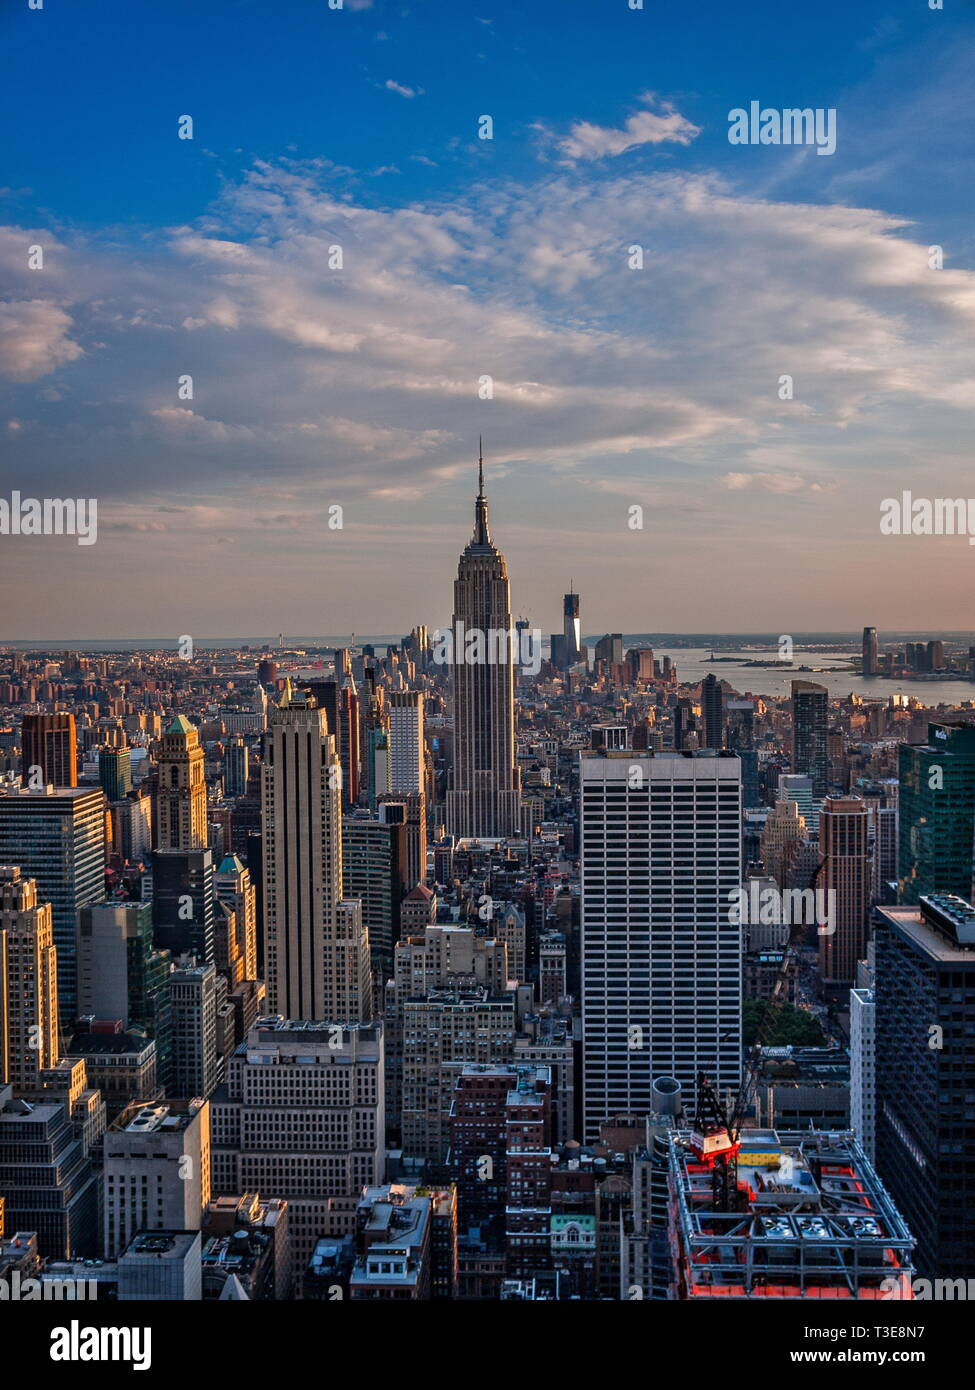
(661, 954)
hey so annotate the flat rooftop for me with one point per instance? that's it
(911, 922)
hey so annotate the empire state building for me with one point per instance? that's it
(484, 798)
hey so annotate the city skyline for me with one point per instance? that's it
(465, 259)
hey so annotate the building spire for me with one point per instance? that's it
(482, 535)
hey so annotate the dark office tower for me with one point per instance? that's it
(740, 715)
(844, 845)
(181, 793)
(924, 995)
(267, 671)
(572, 630)
(236, 767)
(115, 772)
(48, 741)
(937, 813)
(685, 723)
(58, 838)
(484, 796)
(935, 656)
(182, 902)
(809, 754)
(712, 711)
(340, 702)
(869, 665)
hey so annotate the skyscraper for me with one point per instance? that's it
(49, 742)
(405, 740)
(115, 772)
(572, 630)
(869, 664)
(57, 836)
(316, 948)
(194, 1001)
(809, 705)
(740, 715)
(121, 975)
(29, 1040)
(712, 711)
(234, 888)
(844, 841)
(661, 955)
(182, 902)
(46, 1177)
(340, 702)
(484, 796)
(863, 1062)
(374, 871)
(925, 1068)
(236, 761)
(937, 813)
(181, 793)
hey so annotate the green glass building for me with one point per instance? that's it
(937, 813)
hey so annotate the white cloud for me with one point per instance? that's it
(588, 141)
(34, 339)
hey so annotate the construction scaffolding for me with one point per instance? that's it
(809, 1219)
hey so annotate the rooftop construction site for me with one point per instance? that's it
(806, 1217)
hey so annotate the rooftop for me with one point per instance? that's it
(811, 1219)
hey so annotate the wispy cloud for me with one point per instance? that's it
(400, 90)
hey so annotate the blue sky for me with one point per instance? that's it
(464, 257)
